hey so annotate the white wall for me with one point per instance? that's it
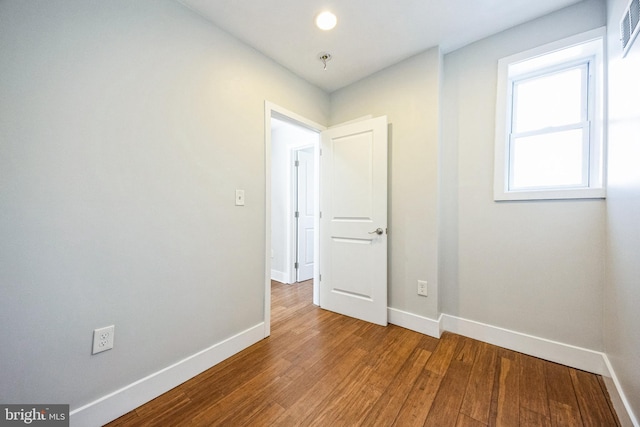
(622, 293)
(125, 128)
(534, 267)
(408, 93)
(284, 137)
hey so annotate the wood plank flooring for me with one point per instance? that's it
(322, 369)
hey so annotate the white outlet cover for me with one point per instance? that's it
(422, 288)
(103, 339)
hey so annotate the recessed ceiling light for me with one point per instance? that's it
(326, 20)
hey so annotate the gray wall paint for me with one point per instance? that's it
(409, 94)
(125, 128)
(622, 316)
(534, 267)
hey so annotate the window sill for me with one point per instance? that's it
(578, 193)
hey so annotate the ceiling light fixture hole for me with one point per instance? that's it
(324, 57)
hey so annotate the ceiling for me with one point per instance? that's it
(370, 35)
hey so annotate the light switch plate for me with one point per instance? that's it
(239, 197)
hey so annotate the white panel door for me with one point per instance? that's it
(353, 226)
(305, 218)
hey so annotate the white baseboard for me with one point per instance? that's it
(618, 398)
(413, 322)
(565, 354)
(280, 276)
(133, 395)
(118, 403)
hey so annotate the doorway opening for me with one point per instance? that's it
(292, 148)
(293, 207)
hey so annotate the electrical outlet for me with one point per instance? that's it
(422, 287)
(103, 339)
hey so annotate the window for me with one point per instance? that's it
(549, 139)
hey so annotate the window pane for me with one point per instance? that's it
(550, 100)
(548, 160)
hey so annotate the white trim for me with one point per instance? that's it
(293, 221)
(576, 193)
(316, 224)
(118, 403)
(267, 217)
(569, 355)
(280, 276)
(597, 166)
(618, 398)
(566, 354)
(416, 323)
(554, 351)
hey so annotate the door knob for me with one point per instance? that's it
(377, 231)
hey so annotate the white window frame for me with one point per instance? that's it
(510, 69)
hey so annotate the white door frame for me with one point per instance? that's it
(273, 110)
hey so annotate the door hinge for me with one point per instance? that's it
(297, 163)
(296, 265)
(320, 214)
(321, 151)
(297, 214)
(320, 277)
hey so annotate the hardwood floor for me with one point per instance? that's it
(322, 369)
